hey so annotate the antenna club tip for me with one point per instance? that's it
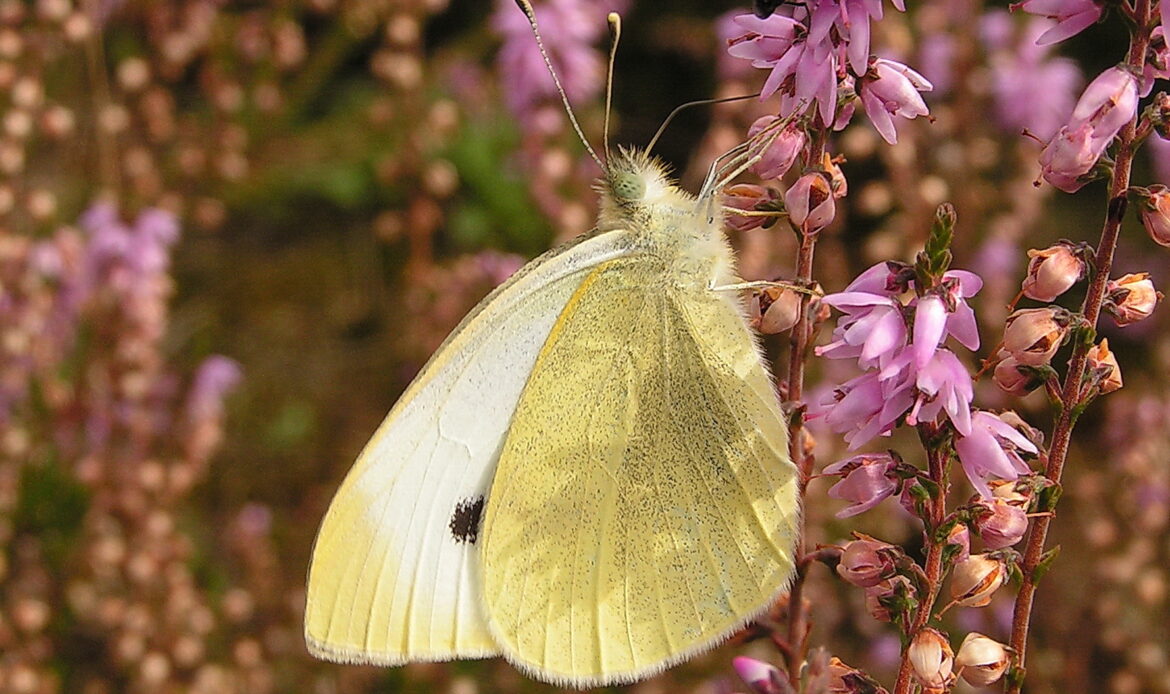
(615, 21)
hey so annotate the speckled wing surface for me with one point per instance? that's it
(395, 569)
(644, 506)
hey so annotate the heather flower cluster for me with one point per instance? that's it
(816, 52)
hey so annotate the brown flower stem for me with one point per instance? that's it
(1071, 393)
(936, 512)
(798, 624)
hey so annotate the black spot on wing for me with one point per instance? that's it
(465, 520)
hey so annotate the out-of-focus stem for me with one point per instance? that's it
(798, 626)
(1071, 390)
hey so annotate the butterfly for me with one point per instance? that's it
(590, 477)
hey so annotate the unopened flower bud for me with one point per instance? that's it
(1104, 367)
(1032, 335)
(866, 480)
(1131, 298)
(762, 204)
(783, 150)
(849, 680)
(931, 659)
(1011, 492)
(866, 562)
(982, 660)
(975, 580)
(1015, 378)
(1155, 211)
(889, 597)
(960, 536)
(774, 310)
(810, 202)
(762, 677)
(1000, 523)
(1052, 271)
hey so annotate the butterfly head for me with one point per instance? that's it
(635, 186)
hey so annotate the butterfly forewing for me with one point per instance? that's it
(643, 506)
(395, 569)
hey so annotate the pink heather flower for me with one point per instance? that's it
(762, 677)
(871, 330)
(782, 153)
(810, 203)
(930, 322)
(1108, 103)
(944, 385)
(892, 89)
(887, 278)
(1019, 70)
(866, 480)
(766, 43)
(991, 450)
(1072, 16)
(865, 407)
(1069, 156)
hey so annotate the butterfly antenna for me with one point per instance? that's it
(615, 33)
(689, 104)
(526, 7)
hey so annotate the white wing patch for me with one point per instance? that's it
(394, 574)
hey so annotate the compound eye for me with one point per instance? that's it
(629, 187)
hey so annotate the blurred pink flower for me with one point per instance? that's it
(991, 450)
(866, 480)
(892, 89)
(217, 376)
(570, 28)
(1020, 69)
(1072, 16)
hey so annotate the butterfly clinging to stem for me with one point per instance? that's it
(590, 477)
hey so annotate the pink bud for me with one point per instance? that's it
(1155, 210)
(1012, 378)
(1131, 298)
(1109, 102)
(866, 562)
(1103, 366)
(1000, 523)
(1069, 156)
(1052, 271)
(960, 536)
(867, 480)
(810, 203)
(1033, 335)
(895, 588)
(758, 201)
(931, 659)
(782, 152)
(774, 310)
(762, 677)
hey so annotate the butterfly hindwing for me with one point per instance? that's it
(643, 505)
(395, 569)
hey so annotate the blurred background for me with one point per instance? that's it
(232, 231)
